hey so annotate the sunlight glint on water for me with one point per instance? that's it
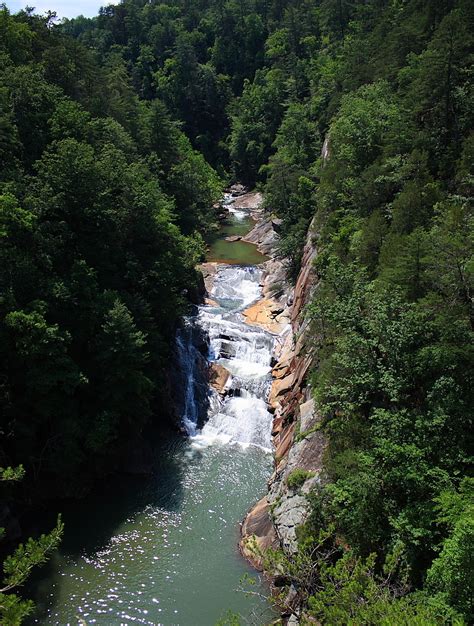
(166, 553)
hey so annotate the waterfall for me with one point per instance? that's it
(245, 351)
(191, 377)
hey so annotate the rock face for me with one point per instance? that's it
(219, 376)
(208, 271)
(248, 200)
(298, 442)
(258, 525)
(264, 236)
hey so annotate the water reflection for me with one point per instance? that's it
(163, 551)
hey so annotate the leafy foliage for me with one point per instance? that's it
(100, 200)
(355, 117)
(17, 566)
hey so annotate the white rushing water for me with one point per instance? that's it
(245, 351)
(162, 551)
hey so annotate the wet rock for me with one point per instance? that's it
(219, 376)
(209, 271)
(227, 350)
(233, 238)
(251, 201)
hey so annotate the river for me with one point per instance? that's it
(164, 550)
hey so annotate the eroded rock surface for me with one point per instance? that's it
(298, 442)
(208, 271)
(267, 314)
(219, 376)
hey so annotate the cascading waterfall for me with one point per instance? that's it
(142, 558)
(191, 377)
(245, 351)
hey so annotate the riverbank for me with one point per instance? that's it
(164, 549)
(298, 445)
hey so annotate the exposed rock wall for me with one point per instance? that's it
(298, 443)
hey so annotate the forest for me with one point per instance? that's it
(118, 134)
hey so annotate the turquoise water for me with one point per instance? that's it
(160, 552)
(164, 550)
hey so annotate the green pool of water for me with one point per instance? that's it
(161, 551)
(234, 252)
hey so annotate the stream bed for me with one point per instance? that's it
(164, 550)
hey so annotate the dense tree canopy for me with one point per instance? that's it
(356, 115)
(102, 204)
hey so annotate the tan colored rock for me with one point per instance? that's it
(210, 302)
(250, 201)
(281, 370)
(286, 439)
(277, 426)
(218, 377)
(209, 271)
(262, 314)
(279, 387)
(305, 281)
(258, 533)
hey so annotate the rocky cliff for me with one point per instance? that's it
(298, 443)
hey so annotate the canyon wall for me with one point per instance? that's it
(298, 443)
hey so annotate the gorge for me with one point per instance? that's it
(164, 550)
(158, 342)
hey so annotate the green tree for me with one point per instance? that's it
(18, 565)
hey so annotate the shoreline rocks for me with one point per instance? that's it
(298, 442)
(267, 314)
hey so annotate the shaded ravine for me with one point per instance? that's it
(165, 551)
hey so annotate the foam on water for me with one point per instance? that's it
(245, 351)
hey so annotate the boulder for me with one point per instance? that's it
(209, 271)
(249, 201)
(263, 314)
(257, 532)
(219, 377)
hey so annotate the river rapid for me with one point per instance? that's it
(164, 550)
